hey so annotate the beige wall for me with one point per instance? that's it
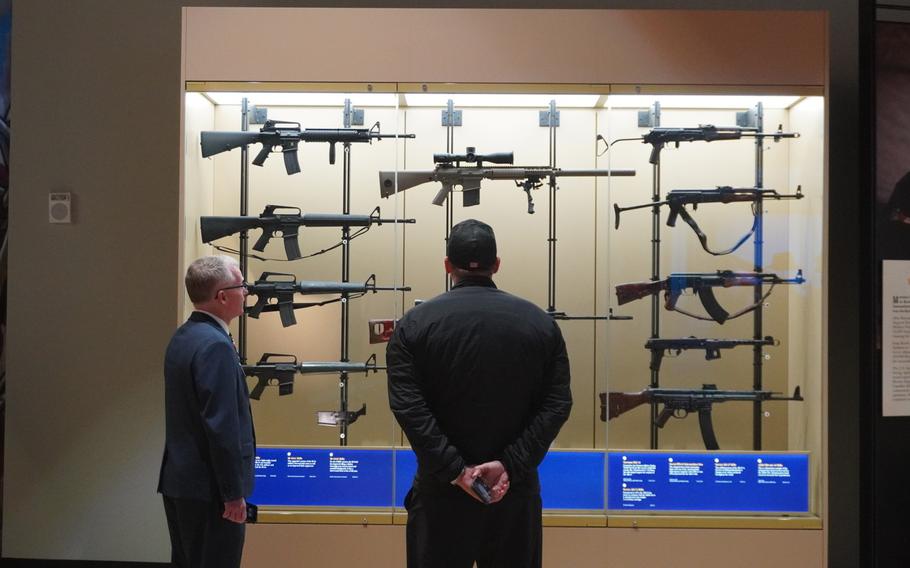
(92, 304)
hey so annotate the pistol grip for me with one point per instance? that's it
(256, 393)
(674, 214)
(263, 240)
(262, 155)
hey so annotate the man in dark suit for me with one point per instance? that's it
(207, 469)
(479, 381)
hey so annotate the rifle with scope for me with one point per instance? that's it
(679, 403)
(287, 136)
(281, 373)
(703, 283)
(660, 137)
(275, 291)
(677, 200)
(450, 173)
(661, 346)
(286, 225)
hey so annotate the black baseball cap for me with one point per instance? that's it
(472, 245)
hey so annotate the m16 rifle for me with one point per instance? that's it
(280, 373)
(703, 283)
(275, 291)
(677, 200)
(660, 347)
(287, 136)
(679, 403)
(450, 173)
(286, 225)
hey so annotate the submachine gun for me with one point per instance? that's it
(662, 346)
(679, 403)
(287, 136)
(450, 173)
(677, 200)
(275, 291)
(660, 137)
(279, 369)
(703, 283)
(286, 225)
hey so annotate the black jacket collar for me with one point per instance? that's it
(483, 281)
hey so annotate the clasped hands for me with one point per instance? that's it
(492, 473)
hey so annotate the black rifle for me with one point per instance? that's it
(702, 283)
(660, 347)
(449, 172)
(677, 200)
(281, 373)
(678, 403)
(660, 137)
(273, 224)
(337, 417)
(275, 291)
(287, 136)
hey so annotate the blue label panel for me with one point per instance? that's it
(568, 480)
(665, 481)
(337, 477)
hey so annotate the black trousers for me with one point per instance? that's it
(200, 538)
(449, 529)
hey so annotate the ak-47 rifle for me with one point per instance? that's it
(275, 291)
(281, 373)
(660, 347)
(677, 200)
(703, 283)
(286, 225)
(450, 173)
(678, 403)
(660, 137)
(287, 136)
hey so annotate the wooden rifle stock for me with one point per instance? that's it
(621, 402)
(626, 293)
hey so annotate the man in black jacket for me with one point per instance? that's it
(479, 381)
(207, 469)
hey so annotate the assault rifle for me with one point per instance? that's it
(677, 200)
(275, 291)
(660, 137)
(702, 284)
(449, 172)
(660, 347)
(287, 136)
(678, 403)
(281, 373)
(273, 224)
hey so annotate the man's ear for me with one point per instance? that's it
(448, 264)
(495, 268)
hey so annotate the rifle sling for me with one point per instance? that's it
(746, 310)
(703, 239)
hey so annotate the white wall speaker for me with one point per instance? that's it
(59, 207)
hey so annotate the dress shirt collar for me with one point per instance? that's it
(217, 319)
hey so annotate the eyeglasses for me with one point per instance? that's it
(244, 285)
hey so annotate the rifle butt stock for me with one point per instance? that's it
(213, 228)
(626, 293)
(406, 180)
(214, 142)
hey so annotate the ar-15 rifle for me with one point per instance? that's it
(273, 224)
(287, 136)
(449, 172)
(678, 403)
(275, 291)
(660, 137)
(702, 284)
(677, 200)
(660, 347)
(281, 373)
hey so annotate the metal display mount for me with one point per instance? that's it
(450, 119)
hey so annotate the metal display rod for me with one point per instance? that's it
(655, 273)
(244, 210)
